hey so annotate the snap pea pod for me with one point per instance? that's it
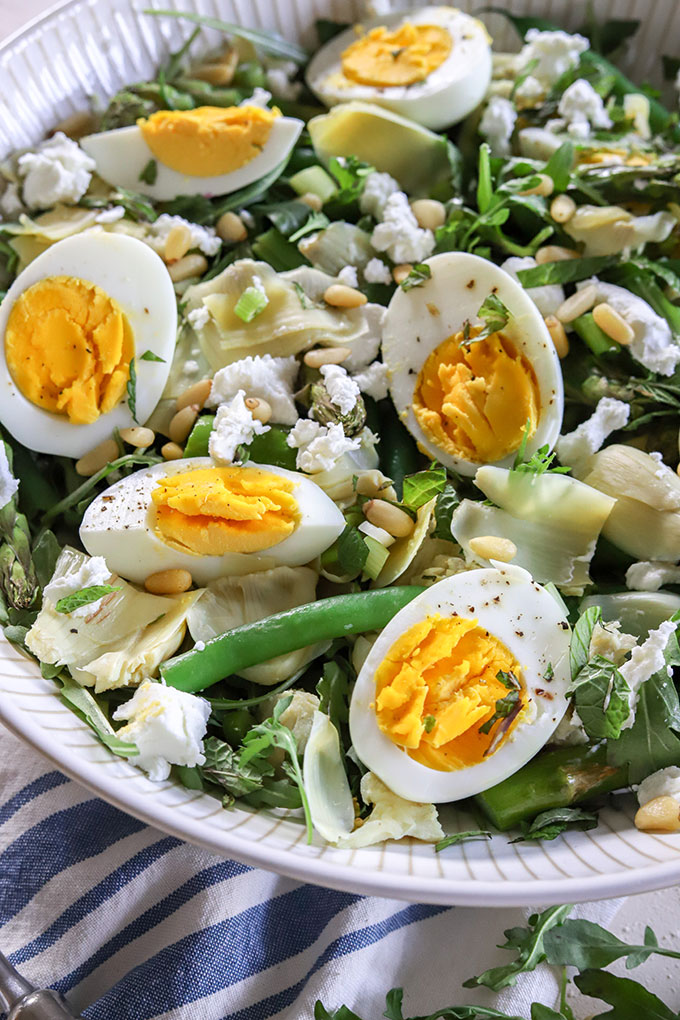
(257, 642)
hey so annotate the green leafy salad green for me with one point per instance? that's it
(339, 454)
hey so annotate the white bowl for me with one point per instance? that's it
(48, 70)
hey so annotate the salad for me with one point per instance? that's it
(340, 425)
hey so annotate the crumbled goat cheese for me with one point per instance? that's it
(376, 271)
(570, 732)
(112, 215)
(399, 234)
(530, 93)
(548, 298)
(582, 108)
(377, 189)
(167, 725)
(497, 124)
(247, 217)
(279, 75)
(645, 660)
(556, 53)
(94, 571)
(373, 380)
(260, 97)
(203, 238)
(319, 446)
(10, 202)
(8, 483)
(264, 377)
(342, 390)
(234, 426)
(199, 317)
(608, 416)
(609, 641)
(664, 783)
(650, 575)
(392, 817)
(58, 171)
(348, 276)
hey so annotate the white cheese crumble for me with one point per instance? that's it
(497, 124)
(608, 416)
(319, 446)
(398, 233)
(548, 298)
(609, 641)
(373, 380)
(376, 271)
(260, 97)
(264, 377)
(650, 575)
(377, 189)
(112, 215)
(279, 75)
(342, 390)
(94, 571)
(348, 276)
(582, 108)
(58, 171)
(234, 426)
(664, 783)
(530, 93)
(10, 201)
(199, 317)
(8, 483)
(645, 660)
(556, 53)
(203, 238)
(167, 725)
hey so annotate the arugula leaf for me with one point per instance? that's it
(84, 597)
(560, 164)
(316, 221)
(540, 1012)
(417, 277)
(350, 174)
(550, 824)
(348, 554)
(539, 462)
(150, 172)
(504, 707)
(268, 42)
(586, 945)
(447, 501)
(423, 486)
(150, 356)
(222, 767)
(132, 390)
(579, 649)
(630, 1000)
(251, 303)
(529, 944)
(461, 837)
(334, 691)
(600, 695)
(321, 1013)
(84, 705)
(566, 271)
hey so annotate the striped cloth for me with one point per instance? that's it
(131, 924)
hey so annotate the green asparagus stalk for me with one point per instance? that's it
(554, 779)
(17, 574)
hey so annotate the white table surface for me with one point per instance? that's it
(660, 909)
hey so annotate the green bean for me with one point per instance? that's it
(257, 642)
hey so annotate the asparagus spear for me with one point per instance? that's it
(554, 779)
(17, 575)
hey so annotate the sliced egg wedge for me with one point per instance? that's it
(463, 686)
(467, 402)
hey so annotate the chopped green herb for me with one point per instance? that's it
(423, 486)
(150, 356)
(132, 390)
(150, 172)
(495, 316)
(84, 597)
(504, 707)
(252, 303)
(461, 837)
(429, 723)
(417, 277)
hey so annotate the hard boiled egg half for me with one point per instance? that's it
(77, 324)
(432, 65)
(207, 151)
(468, 401)
(212, 521)
(463, 686)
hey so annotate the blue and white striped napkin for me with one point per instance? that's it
(131, 924)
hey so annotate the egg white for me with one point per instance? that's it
(444, 97)
(122, 154)
(135, 276)
(119, 525)
(420, 319)
(527, 619)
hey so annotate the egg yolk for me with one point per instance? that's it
(385, 58)
(474, 400)
(68, 347)
(210, 140)
(437, 686)
(213, 511)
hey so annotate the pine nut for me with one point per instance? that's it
(177, 243)
(172, 451)
(544, 187)
(313, 201)
(97, 458)
(388, 517)
(613, 324)
(557, 335)
(562, 208)
(340, 296)
(77, 125)
(400, 272)
(182, 423)
(555, 253)
(231, 228)
(662, 814)
(190, 265)
(492, 547)
(374, 483)
(590, 217)
(260, 409)
(196, 395)
(578, 304)
(138, 436)
(326, 356)
(429, 213)
(168, 582)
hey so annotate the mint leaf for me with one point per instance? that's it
(423, 486)
(579, 649)
(551, 824)
(461, 837)
(600, 695)
(132, 391)
(222, 767)
(504, 707)
(150, 172)
(417, 277)
(84, 597)
(150, 356)
(495, 317)
(447, 501)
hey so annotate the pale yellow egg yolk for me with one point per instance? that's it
(385, 58)
(68, 347)
(474, 400)
(215, 510)
(210, 140)
(437, 685)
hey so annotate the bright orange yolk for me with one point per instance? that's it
(474, 400)
(210, 140)
(437, 686)
(213, 511)
(385, 58)
(68, 347)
